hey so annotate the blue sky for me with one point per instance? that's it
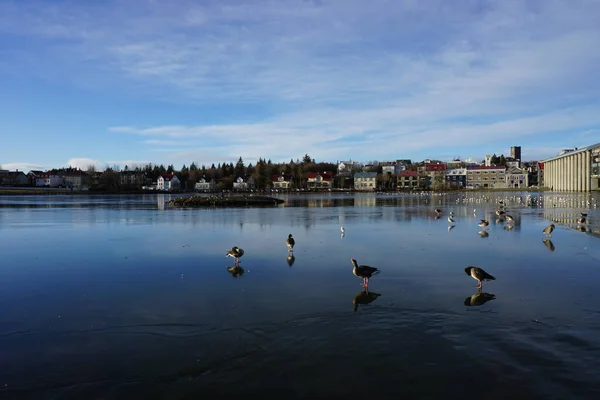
(137, 81)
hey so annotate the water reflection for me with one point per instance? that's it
(450, 227)
(479, 299)
(290, 259)
(172, 320)
(548, 243)
(364, 297)
(582, 228)
(483, 234)
(236, 271)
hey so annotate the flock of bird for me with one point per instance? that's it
(365, 272)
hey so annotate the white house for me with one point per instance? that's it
(48, 179)
(283, 181)
(240, 184)
(517, 178)
(316, 180)
(346, 167)
(203, 184)
(393, 168)
(168, 182)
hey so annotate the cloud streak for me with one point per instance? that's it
(334, 78)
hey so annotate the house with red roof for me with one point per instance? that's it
(168, 182)
(408, 179)
(319, 180)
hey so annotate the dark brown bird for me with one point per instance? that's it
(548, 230)
(500, 213)
(438, 211)
(236, 253)
(479, 299)
(509, 218)
(363, 271)
(581, 220)
(478, 274)
(290, 242)
(364, 297)
(483, 223)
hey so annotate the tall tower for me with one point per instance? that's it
(488, 160)
(515, 152)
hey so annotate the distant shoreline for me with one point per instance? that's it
(51, 192)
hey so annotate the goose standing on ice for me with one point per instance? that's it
(236, 253)
(548, 230)
(363, 271)
(479, 275)
(290, 242)
(483, 223)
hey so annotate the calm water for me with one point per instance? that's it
(120, 297)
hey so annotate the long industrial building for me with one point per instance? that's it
(576, 170)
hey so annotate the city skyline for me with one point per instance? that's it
(145, 81)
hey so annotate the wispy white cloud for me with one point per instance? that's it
(325, 137)
(130, 164)
(335, 78)
(22, 166)
(86, 163)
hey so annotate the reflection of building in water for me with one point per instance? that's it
(365, 201)
(578, 201)
(320, 202)
(577, 170)
(569, 219)
(160, 201)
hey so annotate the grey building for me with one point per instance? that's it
(515, 152)
(574, 171)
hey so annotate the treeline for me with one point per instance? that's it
(224, 174)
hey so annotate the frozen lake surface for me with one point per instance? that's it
(121, 297)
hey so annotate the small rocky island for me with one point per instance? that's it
(226, 201)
